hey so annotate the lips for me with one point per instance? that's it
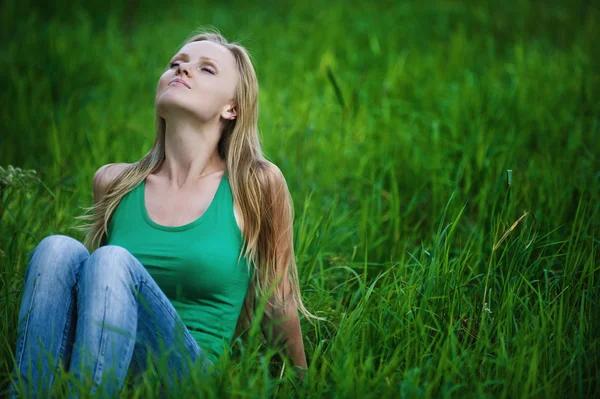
(177, 80)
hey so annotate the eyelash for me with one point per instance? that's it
(172, 64)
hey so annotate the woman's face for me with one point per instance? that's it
(209, 75)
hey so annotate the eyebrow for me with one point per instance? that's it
(202, 58)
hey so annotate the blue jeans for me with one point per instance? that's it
(99, 316)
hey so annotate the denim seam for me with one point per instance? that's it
(22, 349)
(122, 360)
(100, 360)
(65, 332)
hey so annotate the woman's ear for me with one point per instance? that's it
(230, 112)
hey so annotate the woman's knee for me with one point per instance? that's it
(110, 262)
(56, 254)
(109, 253)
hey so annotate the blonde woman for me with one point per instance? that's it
(180, 245)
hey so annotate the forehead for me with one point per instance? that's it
(205, 48)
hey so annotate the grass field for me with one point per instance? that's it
(395, 126)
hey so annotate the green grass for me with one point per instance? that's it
(395, 126)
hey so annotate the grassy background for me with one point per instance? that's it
(394, 125)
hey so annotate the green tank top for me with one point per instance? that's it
(195, 264)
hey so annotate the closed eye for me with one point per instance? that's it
(174, 64)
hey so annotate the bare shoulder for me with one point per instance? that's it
(274, 175)
(104, 175)
(276, 180)
(277, 194)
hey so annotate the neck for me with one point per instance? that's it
(190, 152)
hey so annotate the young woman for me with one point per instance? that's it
(180, 245)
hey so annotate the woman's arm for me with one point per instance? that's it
(281, 323)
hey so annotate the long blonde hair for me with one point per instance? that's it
(248, 174)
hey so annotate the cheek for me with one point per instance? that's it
(163, 81)
(163, 84)
(165, 78)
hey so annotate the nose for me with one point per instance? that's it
(184, 68)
